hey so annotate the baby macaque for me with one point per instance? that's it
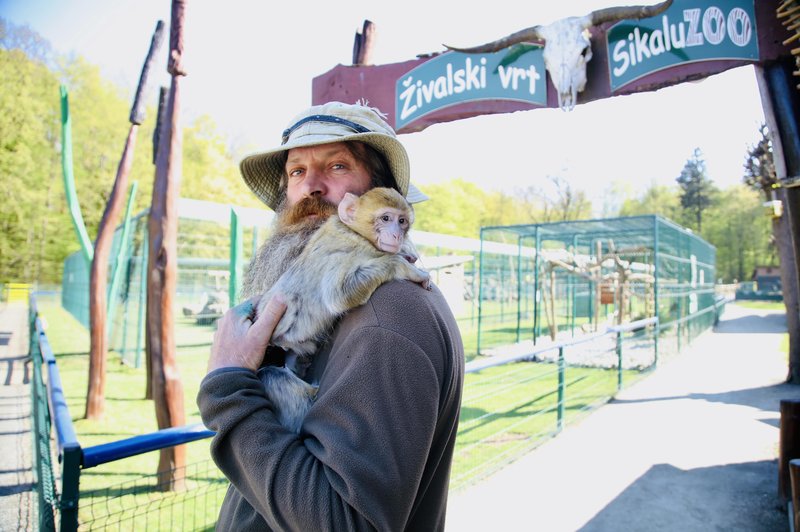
(342, 264)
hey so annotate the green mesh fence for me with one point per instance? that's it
(201, 296)
(537, 281)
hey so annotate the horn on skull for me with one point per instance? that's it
(615, 14)
(526, 35)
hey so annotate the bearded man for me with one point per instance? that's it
(375, 448)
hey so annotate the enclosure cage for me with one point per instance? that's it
(214, 240)
(550, 280)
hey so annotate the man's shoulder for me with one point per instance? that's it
(405, 307)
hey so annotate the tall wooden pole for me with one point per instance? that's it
(781, 101)
(98, 305)
(163, 265)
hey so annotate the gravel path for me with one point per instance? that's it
(17, 496)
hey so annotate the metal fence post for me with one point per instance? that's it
(619, 360)
(561, 388)
(70, 494)
(235, 282)
(140, 327)
(657, 330)
(480, 293)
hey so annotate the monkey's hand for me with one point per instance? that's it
(242, 337)
(419, 276)
(426, 284)
(290, 395)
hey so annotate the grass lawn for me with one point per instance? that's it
(506, 411)
(761, 305)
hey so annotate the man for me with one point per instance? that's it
(374, 450)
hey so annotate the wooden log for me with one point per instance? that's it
(163, 267)
(98, 348)
(794, 476)
(789, 445)
(138, 109)
(98, 306)
(364, 44)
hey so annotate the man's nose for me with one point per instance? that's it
(315, 183)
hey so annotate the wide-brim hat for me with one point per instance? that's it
(326, 124)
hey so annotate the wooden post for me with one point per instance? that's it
(163, 267)
(794, 475)
(363, 44)
(160, 121)
(98, 350)
(789, 445)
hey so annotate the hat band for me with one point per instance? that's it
(358, 128)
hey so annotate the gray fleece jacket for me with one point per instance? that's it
(374, 452)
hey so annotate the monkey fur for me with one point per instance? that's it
(342, 264)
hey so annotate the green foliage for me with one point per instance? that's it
(737, 226)
(457, 208)
(759, 167)
(696, 189)
(461, 208)
(656, 199)
(36, 232)
(30, 233)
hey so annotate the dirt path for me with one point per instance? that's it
(693, 447)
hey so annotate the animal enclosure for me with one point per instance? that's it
(564, 279)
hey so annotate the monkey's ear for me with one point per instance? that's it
(347, 208)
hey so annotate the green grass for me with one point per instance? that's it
(109, 488)
(761, 305)
(506, 411)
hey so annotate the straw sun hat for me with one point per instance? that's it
(325, 124)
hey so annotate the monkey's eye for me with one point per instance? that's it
(385, 218)
(402, 221)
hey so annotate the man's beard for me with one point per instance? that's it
(292, 228)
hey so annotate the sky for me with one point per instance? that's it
(250, 67)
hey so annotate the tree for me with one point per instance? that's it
(656, 199)
(696, 188)
(32, 232)
(559, 204)
(759, 174)
(735, 224)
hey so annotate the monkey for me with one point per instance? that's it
(342, 264)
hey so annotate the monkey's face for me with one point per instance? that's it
(391, 226)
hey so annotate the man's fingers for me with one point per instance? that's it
(267, 320)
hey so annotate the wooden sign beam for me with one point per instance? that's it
(377, 84)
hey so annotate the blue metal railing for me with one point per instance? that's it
(72, 457)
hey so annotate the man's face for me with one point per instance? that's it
(326, 172)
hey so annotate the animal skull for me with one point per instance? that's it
(567, 46)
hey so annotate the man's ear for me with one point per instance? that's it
(347, 208)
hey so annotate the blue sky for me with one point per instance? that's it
(251, 65)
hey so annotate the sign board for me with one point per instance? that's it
(689, 31)
(514, 74)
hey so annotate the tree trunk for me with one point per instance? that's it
(163, 268)
(98, 350)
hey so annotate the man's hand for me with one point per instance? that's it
(241, 342)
